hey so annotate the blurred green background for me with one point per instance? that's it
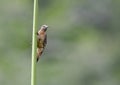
(83, 42)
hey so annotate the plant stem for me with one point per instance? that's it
(34, 44)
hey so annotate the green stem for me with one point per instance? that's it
(34, 46)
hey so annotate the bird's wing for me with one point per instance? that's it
(45, 41)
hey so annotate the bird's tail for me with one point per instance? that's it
(39, 53)
(37, 59)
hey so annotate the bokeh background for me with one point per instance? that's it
(83, 42)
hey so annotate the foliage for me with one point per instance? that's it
(83, 42)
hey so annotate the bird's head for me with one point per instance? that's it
(44, 27)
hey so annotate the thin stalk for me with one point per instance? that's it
(34, 44)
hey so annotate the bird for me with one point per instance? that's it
(41, 40)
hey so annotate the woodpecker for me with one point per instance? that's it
(41, 40)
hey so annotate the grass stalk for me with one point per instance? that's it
(34, 43)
